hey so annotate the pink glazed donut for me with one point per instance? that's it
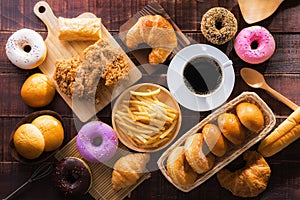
(97, 142)
(254, 44)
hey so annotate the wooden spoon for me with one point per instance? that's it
(256, 80)
(256, 10)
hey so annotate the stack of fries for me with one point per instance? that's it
(146, 121)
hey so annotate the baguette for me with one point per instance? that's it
(79, 29)
(286, 133)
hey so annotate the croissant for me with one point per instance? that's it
(155, 31)
(128, 169)
(249, 181)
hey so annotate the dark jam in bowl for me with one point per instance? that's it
(202, 75)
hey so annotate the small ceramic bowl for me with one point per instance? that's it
(165, 97)
(28, 119)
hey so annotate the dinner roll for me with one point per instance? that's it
(52, 130)
(214, 139)
(38, 90)
(231, 128)
(250, 116)
(29, 141)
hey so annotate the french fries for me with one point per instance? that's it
(146, 121)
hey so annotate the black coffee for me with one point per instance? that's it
(202, 75)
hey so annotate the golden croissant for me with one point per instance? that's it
(155, 31)
(249, 181)
(128, 169)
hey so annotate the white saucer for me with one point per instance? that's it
(185, 96)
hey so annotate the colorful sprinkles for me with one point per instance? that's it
(254, 54)
(15, 48)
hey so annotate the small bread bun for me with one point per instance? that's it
(178, 168)
(214, 139)
(199, 160)
(231, 128)
(29, 141)
(286, 133)
(38, 90)
(250, 116)
(52, 130)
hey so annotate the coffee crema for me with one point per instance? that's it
(202, 75)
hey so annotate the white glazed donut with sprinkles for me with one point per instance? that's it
(26, 49)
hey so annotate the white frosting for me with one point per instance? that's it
(25, 48)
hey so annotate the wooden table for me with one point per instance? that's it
(282, 72)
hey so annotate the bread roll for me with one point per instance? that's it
(179, 169)
(214, 139)
(29, 141)
(79, 29)
(38, 90)
(198, 159)
(250, 116)
(231, 128)
(286, 133)
(52, 130)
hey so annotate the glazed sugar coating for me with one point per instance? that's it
(26, 49)
(97, 142)
(218, 25)
(254, 44)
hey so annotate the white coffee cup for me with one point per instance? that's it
(184, 92)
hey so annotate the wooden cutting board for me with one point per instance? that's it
(58, 49)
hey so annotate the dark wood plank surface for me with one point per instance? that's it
(282, 72)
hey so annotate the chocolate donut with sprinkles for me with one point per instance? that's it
(72, 176)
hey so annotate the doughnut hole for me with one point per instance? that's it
(219, 24)
(254, 44)
(97, 141)
(27, 48)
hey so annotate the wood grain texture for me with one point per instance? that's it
(58, 49)
(102, 173)
(282, 72)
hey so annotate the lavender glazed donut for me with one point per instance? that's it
(254, 44)
(97, 142)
